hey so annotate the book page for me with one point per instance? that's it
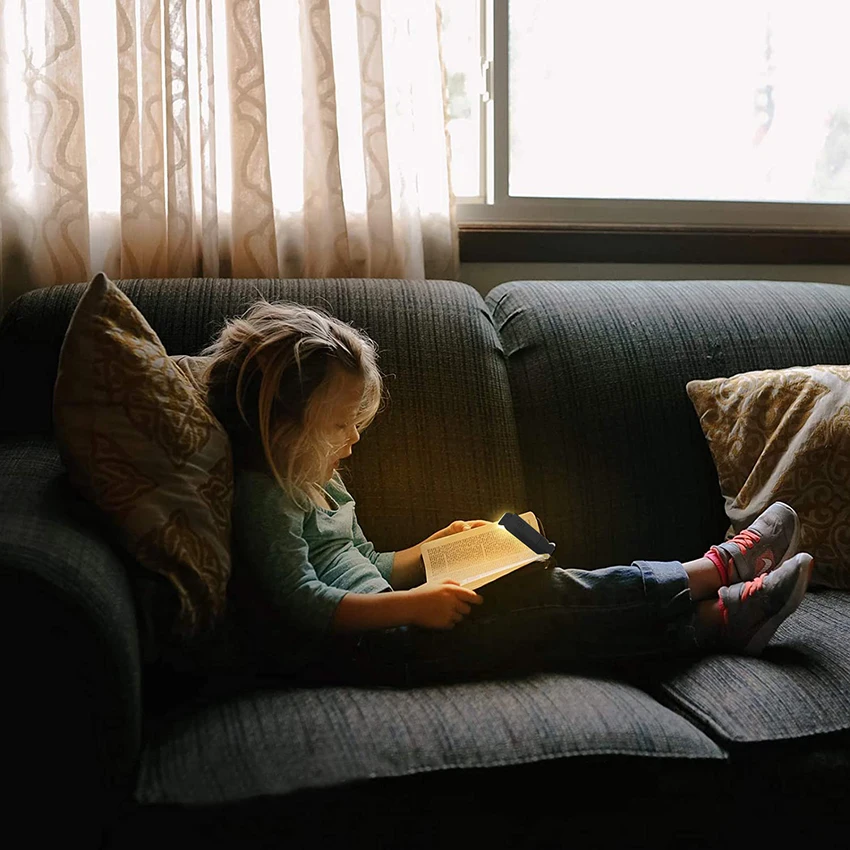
(472, 555)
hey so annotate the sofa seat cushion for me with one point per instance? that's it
(273, 741)
(799, 687)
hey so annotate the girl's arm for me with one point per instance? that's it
(357, 612)
(433, 606)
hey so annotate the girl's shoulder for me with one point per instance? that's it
(256, 490)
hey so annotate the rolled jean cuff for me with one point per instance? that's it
(666, 583)
(668, 589)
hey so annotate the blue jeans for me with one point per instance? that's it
(535, 618)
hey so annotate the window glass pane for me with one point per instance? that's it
(666, 99)
(461, 47)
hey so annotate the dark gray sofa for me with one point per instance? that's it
(562, 397)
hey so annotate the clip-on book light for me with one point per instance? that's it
(527, 534)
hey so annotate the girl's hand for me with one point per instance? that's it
(440, 605)
(457, 526)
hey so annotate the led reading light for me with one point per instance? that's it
(527, 534)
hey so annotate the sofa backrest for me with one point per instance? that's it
(443, 448)
(615, 461)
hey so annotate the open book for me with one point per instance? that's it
(478, 556)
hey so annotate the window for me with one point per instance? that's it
(707, 113)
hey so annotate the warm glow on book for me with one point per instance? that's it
(478, 556)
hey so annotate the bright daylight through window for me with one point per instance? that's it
(659, 100)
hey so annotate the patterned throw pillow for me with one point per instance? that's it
(784, 435)
(139, 442)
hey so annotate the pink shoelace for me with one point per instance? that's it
(751, 587)
(745, 540)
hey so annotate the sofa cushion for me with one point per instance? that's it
(139, 441)
(615, 461)
(784, 435)
(311, 738)
(798, 688)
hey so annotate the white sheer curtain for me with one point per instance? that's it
(243, 138)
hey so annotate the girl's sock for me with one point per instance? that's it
(714, 556)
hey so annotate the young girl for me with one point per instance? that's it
(295, 387)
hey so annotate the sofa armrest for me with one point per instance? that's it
(72, 677)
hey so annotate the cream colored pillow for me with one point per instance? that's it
(784, 435)
(138, 441)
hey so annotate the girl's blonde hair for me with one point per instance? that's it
(273, 380)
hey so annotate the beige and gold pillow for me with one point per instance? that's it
(138, 441)
(784, 435)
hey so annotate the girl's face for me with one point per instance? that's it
(341, 422)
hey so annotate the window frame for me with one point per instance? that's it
(497, 227)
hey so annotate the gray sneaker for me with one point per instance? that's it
(753, 610)
(771, 540)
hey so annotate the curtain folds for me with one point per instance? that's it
(243, 138)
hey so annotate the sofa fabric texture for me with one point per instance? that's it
(439, 352)
(566, 398)
(613, 454)
(340, 731)
(798, 688)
